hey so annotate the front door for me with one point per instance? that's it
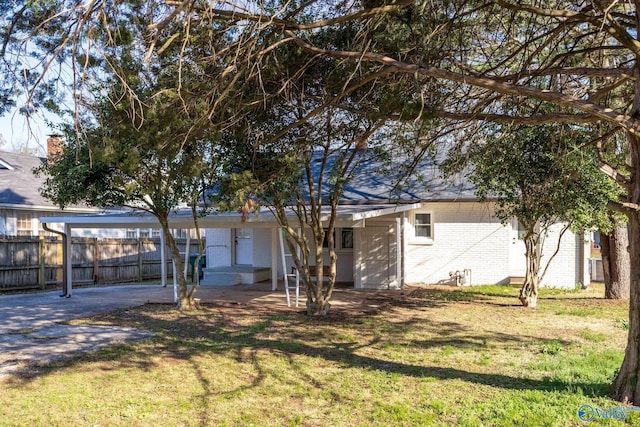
(518, 261)
(244, 246)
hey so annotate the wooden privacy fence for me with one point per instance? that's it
(35, 263)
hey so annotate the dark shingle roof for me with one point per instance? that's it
(19, 187)
(18, 184)
(382, 182)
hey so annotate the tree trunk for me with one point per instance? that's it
(185, 298)
(529, 291)
(626, 387)
(616, 262)
(317, 298)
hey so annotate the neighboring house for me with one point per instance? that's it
(21, 205)
(428, 231)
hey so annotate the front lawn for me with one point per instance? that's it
(435, 357)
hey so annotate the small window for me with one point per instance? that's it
(347, 238)
(423, 225)
(596, 240)
(521, 231)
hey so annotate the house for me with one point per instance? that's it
(428, 230)
(21, 205)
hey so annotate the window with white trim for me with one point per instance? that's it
(423, 228)
(24, 224)
(344, 242)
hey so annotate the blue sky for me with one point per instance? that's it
(19, 133)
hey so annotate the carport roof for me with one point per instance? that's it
(348, 216)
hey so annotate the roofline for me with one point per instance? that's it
(141, 219)
(407, 202)
(48, 208)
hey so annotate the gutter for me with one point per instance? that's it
(65, 275)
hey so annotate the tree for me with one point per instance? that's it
(615, 260)
(153, 151)
(490, 57)
(301, 148)
(482, 59)
(128, 166)
(538, 175)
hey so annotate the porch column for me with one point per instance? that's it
(584, 252)
(398, 254)
(274, 259)
(186, 257)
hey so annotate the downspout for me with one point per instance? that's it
(65, 275)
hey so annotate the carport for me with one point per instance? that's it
(353, 216)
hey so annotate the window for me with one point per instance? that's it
(521, 231)
(344, 234)
(422, 225)
(347, 238)
(24, 224)
(596, 240)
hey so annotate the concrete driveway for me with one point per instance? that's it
(36, 310)
(32, 332)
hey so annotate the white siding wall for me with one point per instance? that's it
(102, 233)
(262, 247)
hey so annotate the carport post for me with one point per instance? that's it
(274, 259)
(186, 256)
(68, 276)
(163, 262)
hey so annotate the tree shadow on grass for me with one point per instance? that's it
(212, 333)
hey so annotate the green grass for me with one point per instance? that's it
(438, 357)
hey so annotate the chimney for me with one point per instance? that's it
(54, 147)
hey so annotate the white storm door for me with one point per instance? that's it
(244, 246)
(518, 261)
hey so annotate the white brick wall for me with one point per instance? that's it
(466, 235)
(564, 271)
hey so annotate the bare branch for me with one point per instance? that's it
(520, 120)
(236, 15)
(624, 207)
(554, 97)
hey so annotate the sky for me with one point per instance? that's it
(18, 133)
